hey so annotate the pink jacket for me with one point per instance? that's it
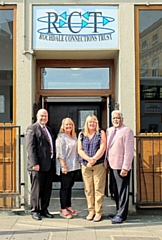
(121, 151)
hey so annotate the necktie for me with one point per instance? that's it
(108, 147)
(111, 139)
(48, 139)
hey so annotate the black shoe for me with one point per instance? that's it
(116, 219)
(36, 216)
(111, 215)
(46, 214)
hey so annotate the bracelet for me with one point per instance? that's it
(64, 166)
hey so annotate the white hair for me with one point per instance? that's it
(117, 111)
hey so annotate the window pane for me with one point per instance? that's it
(150, 26)
(75, 78)
(6, 65)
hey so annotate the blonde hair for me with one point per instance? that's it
(88, 119)
(62, 128)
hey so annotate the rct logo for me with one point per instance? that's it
(75, 22)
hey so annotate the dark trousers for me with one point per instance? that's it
(41, 187)
(67, 182)
(121, 193)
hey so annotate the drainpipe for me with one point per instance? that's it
(24, 27)
(25, 51)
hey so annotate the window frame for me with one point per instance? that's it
(13, 95)
(137, 60)
(73, 63)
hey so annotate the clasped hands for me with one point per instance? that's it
(91, 162)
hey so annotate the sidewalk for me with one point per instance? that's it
(23, 227)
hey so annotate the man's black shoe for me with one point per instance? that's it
(36, 216)
(46, 214)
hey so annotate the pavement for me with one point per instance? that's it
(20, 225)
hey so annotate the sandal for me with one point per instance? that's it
(65, 214)
(97, 218)
(90, 216)
(72, 211)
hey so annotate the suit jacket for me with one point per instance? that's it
(120, 153)
(38, 147)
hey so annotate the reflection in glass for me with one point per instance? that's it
(2, 104)
(82, 115)
(6, 63)
(75, 78)
(150, 26)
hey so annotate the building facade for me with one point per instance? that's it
(76, 58)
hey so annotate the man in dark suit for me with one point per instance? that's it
(40, 150)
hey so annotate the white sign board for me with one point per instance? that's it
(75, 27)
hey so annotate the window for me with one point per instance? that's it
(155, 68)
(144, 69)
(75, 78)
(150, 21)
(6, 65)
(144, 45)
(155, 39)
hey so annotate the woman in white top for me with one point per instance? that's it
(67, 165)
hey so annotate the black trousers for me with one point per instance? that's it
(41, 188)
(121, 193)
(67, 182)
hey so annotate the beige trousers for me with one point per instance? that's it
(94, 179)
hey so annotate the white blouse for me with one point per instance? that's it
(66, 148)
